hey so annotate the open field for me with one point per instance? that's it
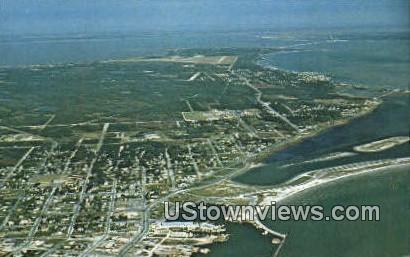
(87, 163)
(197, 59)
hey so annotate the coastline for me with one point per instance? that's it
(317, 182)
(289, 193)
(260, 159)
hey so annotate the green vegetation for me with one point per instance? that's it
(89, 150)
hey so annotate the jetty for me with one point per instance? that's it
(267, 231)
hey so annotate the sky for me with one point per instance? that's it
(21, 17)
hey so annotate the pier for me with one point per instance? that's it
(282, 237)
(259, 225)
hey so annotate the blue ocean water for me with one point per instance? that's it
(376, 61)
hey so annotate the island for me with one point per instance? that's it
(90, 151)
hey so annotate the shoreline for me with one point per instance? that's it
(289, 192)
(262, 157)
(317, 182)
(381, 145)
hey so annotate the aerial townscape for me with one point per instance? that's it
(90, 151)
